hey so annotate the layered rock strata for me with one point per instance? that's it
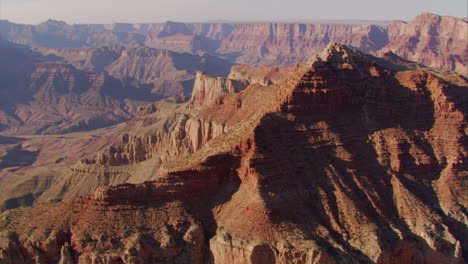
(347, 161)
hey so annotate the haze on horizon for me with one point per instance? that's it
(150, 11)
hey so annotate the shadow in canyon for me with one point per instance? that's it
(18, 157)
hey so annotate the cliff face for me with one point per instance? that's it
(207, 89)
(432, 40)
(437, 41)
(290, 43)
(346, 161)
(342, 115)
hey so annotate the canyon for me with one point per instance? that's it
(90, 88)
(438, 41)
(343, 158)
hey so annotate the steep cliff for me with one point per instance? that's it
(350, 160)
(208, 90)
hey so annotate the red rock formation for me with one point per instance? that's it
(208, 90)
(202, 180)
(348, 161)
(162, 236)
(189, 133)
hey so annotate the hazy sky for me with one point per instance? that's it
(110, 11)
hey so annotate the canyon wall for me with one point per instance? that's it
(431, 40)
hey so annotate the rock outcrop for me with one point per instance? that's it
(207, 90)
(262, 75)
(346, 161)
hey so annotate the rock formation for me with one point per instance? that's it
(352, 159)
(207, 89)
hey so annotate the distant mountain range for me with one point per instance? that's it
(438, 41)
(306, 21)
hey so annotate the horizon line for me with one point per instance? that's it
(227, 21)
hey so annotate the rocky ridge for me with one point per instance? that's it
(347, 161)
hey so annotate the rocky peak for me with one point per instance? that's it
(339, 55)
(337, 78)
(53, 26)
(123, 27)
(427, 17)
(54, 22)
(381, 157)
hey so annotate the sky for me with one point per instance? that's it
(148, 11)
